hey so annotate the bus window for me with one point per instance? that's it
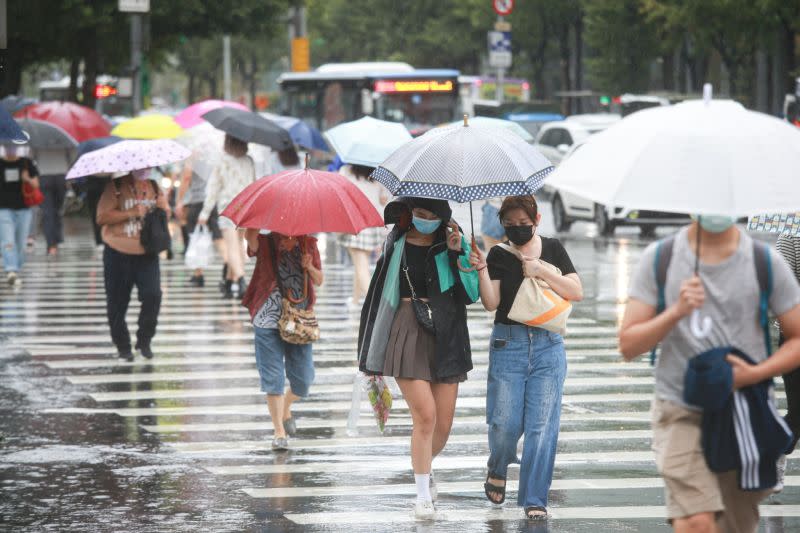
(341, 104)
(414, 109)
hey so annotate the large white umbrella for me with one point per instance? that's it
(367, 141)
(706, 157)
(492, 122)
(701, 157)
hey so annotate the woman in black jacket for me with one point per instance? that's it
(419, 269)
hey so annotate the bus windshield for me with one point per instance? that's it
(416, 109)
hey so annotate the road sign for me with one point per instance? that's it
(499, 49)
(301, 61)
(503, 7)
(134, 6)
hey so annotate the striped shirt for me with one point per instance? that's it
(789, 247)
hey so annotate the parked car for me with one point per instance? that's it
(533, 122)
(555, 138)
(568, 207)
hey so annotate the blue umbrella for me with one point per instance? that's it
(13, 103)
(301, 133)
(95, 144)
(10, 130)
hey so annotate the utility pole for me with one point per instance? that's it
(136, 61)
(226, 66)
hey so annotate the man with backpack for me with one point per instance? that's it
(737, 280)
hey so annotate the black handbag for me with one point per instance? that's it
(422, 311)
(155, 236)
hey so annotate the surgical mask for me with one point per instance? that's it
(141, 174)
(426, 226)
(716, 223)
(519, 235)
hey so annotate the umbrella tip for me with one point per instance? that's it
(466, 119)
(308, 156)
(707, 93)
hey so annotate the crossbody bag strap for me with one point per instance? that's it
(404, 268)
(287, 293)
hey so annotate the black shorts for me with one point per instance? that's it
(193, 213)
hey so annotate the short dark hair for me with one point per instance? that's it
(362, 172)
(526, 203)
(235, 147)
(288, 157)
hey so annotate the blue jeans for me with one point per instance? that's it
(277, 359)
(527, 367)
(14, 227)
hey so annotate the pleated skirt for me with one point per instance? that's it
(411, 351)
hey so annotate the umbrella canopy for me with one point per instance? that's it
(193, 115)
(367, 141)
(95, 144)
(713, 157)
(301, 133)
(126, 156)
(463, 163)
(154, 126)
(79, 121)
(249, 127)
(783, 224)
(46, 136)
(10, 130)
(499, 123)
(13, 103)
(301, 202)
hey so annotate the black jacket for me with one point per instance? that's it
(453, 353)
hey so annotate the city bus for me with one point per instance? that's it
(393, 91)
(477, 89)
(110, 96)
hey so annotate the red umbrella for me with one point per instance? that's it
(77, 120)
(301, 202)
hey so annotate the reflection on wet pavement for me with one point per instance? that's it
(181, 443)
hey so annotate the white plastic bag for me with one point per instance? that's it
(198, 254)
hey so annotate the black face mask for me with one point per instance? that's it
(519, 235)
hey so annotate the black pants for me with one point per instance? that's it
(122, 273)
(791, 385)
(94, 190)
(54, 189)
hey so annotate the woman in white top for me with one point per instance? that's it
(361, 246)
(234, 172)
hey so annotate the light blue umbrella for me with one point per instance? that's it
(367, 141)
(490, 122)
(301, 133)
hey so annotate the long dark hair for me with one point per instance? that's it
(235, 147)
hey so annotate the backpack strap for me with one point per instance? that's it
(660, 266)
(763, 263)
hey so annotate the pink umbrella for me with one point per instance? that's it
(192, 115)
(125, 156)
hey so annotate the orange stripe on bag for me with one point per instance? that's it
(559, 306)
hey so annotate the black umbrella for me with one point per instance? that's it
(13, 103)
(95, 144)
(249, 127)
(46, 136)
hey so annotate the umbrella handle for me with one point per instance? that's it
(700, 326)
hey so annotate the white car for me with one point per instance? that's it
(569, 207)
(556, 138)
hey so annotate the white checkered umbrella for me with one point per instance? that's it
(463, 163)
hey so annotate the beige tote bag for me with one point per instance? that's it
(536, 304)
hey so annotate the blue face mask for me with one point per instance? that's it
(426, 226)
(716, 223)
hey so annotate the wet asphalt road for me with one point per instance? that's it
(182, 443)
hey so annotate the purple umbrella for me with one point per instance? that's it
(126, 156)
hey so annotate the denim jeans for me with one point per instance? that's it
(276, 357)
(527, 367)
(14, 227)
(122, 272)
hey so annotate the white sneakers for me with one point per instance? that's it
(424, 510)
(781, 467)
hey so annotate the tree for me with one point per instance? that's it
(623, 46)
